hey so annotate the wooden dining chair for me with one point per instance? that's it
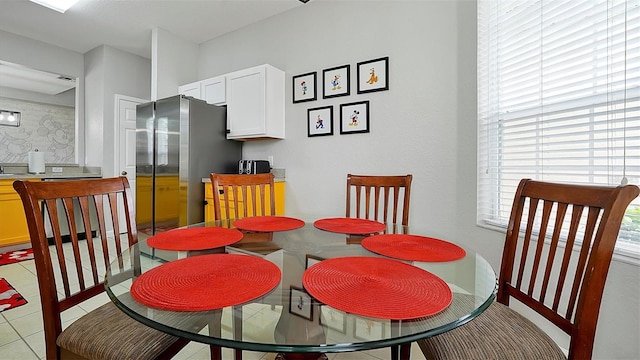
(238, 196)
(72, 272)
(562, 282)
(379, 197)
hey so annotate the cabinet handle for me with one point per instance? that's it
(228, 131)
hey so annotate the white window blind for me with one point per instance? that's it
(558, 100)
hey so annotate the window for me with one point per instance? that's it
(558, 100)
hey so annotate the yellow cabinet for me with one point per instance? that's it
(209, 213)
(13, 223)
(167, 198)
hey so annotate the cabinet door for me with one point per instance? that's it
(214, 90)
(13, 222)
(192, 90)
(246, 103)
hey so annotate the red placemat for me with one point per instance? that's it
(413, 247)
(268, 223)
(350, 225)
(377, 287)
(206, 282)
(199, 238)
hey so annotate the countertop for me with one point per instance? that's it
(63, 171)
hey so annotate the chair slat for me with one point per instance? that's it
(561, 210)
(568, 251)
(533, 207)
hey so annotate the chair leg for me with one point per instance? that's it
(216, 352)
(395, 352)
(405, 351)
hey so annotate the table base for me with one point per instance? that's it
(301, 356)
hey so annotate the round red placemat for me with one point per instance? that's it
(199, 238)
(268, 223)
(413, 247)
(349, 225)
(377, 287)
(206, 282)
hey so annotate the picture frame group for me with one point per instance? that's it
(354, 119)
(372, 75)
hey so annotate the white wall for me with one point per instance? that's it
(110, 71)
(40, 56)
(424, 125)
(174, 63)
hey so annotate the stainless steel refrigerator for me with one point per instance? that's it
(179, 141)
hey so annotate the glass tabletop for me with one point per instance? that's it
(276, 323)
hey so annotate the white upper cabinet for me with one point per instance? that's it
(192, 90)
(214, 90)
(254, 99)
(255, 103)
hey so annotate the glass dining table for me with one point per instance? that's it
(288, 319)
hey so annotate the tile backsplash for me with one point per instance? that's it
(48, 128)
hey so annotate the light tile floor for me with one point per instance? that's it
(22, 337)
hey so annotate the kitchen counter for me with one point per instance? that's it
(63, 171)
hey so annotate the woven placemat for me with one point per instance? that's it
(350, 225)
(268, 223)
(199, 238)
(413, 247)
(377, 287)
(206, 282)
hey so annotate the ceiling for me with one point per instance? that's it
(126, 24)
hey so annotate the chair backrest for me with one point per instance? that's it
(562, 281)
(369, 205)
(73, 265)
(244, 195)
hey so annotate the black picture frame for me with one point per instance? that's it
(373, 75)
(336, 81)
(320, 121)
(354, 117)
(300, 303)
(304, 87)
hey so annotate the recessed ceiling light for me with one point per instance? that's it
(57, 5)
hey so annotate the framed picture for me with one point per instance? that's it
(320, 121)
(336, 82)
(373, 75)
(304, 87)
(310, 260)
(367, 329)
(333, 319)
(354, 117)
(300, 303)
